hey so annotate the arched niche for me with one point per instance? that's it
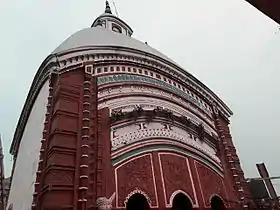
(217, 203)
(137, 202)
(181, 202)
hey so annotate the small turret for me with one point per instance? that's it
(111, 22)
(108, 8)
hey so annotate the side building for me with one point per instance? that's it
(112, 123)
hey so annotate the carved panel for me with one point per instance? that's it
(123, 136)
(61, 158)
(176, 176)
(128, 103)
(127, 90)
(59, 177)
(211, 183)
(136, 174)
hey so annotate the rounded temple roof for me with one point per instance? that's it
(99, 36)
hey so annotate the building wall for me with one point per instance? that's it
(178, 149)
(171, 157)
(160, 175)
(22, 186)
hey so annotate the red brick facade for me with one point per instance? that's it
(71, 172)
(76, 165)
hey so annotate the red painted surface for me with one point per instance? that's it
(136, 174)
(72, 124)
(58, 167)
(66, 147)
(211, 183)
(176, 175)
(234, 176)
(105, 146)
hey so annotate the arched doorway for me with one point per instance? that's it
(181, 202)
(217, 203)
(137, 202)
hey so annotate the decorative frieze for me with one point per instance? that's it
(142, 71)
(123, 136)
(137, 78)
(167, 115)
(127, 104)
(108, 93)
(103, 55)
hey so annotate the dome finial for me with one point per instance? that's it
(108, 9)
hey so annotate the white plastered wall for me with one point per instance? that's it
(22, 187)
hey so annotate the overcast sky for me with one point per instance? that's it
(228, 45)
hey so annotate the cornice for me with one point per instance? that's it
(69, 60)
(107, 54)
(107, 81)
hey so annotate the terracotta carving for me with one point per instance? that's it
(104, 203)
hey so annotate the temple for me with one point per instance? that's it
(111, 123)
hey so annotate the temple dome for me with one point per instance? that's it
(107, 30)
(98, 36)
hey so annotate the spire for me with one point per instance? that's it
(111, 22)
(107, 8)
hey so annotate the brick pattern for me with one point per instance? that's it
(231, 163)
(211, 182)
(54, 188)
(134, 175)
(176, 175)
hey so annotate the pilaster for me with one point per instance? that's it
(55, 181)
(231, 161)
(88, 143)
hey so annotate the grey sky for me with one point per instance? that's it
(228, 45)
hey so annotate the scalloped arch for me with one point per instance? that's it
(137, 191)
(178, 192)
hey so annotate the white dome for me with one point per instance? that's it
(98, 36)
